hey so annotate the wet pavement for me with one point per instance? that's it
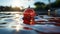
(7, 31)
(35, 29)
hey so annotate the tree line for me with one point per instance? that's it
(9, 8)
(38, 6)
(43, 6)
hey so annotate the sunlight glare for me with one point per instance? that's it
(18, 26)
(15, 3)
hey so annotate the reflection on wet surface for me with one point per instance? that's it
(6, 31)
(14, 25)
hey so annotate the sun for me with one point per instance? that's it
(15, 3)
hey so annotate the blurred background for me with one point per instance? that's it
(40, 6)
(46, 19)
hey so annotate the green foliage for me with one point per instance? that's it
(56, 4)
(7, 8)
(40, 5)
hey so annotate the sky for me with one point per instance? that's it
(19, 3)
